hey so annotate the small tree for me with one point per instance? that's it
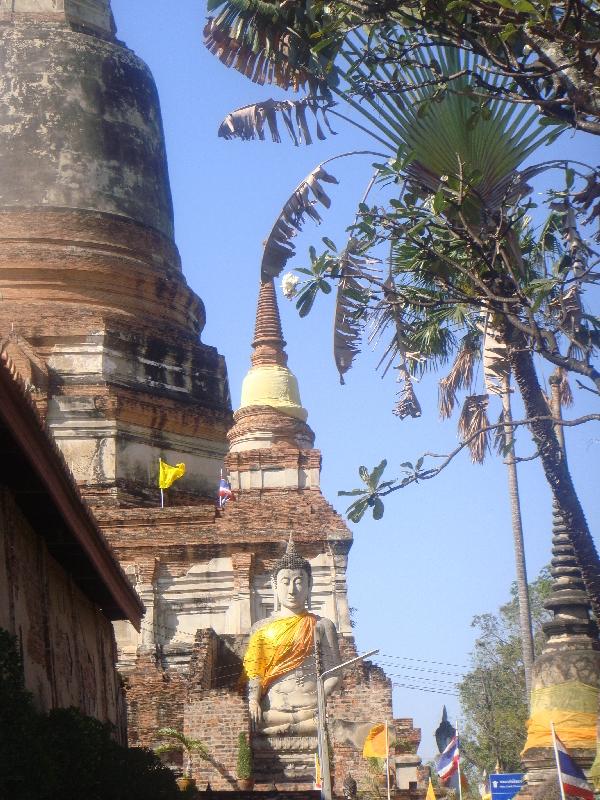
(180, 742)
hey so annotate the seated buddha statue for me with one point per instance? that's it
(279, 664)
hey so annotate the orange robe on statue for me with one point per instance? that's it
(279, 647)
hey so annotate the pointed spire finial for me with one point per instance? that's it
(268, 341)
(568, 600)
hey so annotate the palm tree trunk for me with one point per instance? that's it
(554, 465)
(519, 547)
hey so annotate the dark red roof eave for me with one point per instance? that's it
(19, 415)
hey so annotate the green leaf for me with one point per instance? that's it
(569, 178)
(378, 508)
(356, 510)
(525, 7)
(550, 121)
(364, 474)
(329, 244)
(439, 202)
(306, 300)
(375, 476)
(406, 465)
(508, 31)
(352, 493)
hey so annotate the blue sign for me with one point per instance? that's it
(505, 785)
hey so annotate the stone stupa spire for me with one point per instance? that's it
(268, 343)
(566, 675)
(271, 418)
(571, 624)
(269, 382)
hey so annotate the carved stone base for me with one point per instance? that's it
(284, 759)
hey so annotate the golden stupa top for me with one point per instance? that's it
(269, 382)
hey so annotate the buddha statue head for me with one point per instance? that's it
(292, 581)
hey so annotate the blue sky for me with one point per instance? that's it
(443, 551)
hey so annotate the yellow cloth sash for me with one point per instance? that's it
(572, 707)
(279, 647)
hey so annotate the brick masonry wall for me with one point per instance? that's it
(68, 645)
(217, 717)
(155, 699)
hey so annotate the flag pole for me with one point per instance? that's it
(560, 782)
(387, 760)
(162, 496)
(459, 773)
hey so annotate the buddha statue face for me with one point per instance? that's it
(292, 587)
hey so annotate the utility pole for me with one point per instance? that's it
(322, 741)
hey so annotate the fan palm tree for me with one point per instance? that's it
(457, 232)
(178, 742)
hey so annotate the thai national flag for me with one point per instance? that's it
(225, 492)
(448, 761)
(573, 779)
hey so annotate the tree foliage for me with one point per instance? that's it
(546, 48)
(492, 694)
(66, 755)
(447, 248)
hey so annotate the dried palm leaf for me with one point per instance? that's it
(496, 365)
(460, 375)
(249, 122)
(268, 41)
(389, 311)
(500, 436)
(446, 398)
(347, 327)
(258, 51)
(278, 248)
(564, 389)
(471, 426)
(407, 404)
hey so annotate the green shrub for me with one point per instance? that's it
(244, 759)
(66, 755)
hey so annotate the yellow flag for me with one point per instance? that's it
(430, 793)
(167, 475)
(318, 781)
(376, 745)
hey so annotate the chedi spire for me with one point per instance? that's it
(270, 444)
(268, 340)
(269, 382)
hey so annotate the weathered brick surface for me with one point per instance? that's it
(67, 643)
(217, 717)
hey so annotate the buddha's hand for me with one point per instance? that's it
(255, 713)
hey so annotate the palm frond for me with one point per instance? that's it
(500, 438)
(347, 325)
(460, 375)
(472, 421)
(278, 247)
(444, 137)
(268, 42)
(564, 389)
(389, 313)
(249, 122)
(407, 404)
